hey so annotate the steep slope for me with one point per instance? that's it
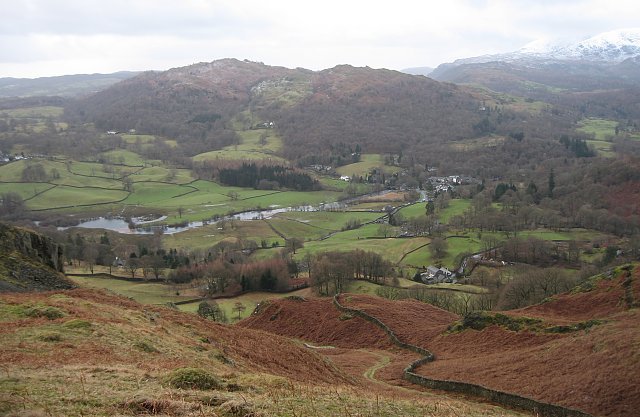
(29, 261)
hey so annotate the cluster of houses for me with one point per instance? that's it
(435, 275)
(443, 184)
(17, 157)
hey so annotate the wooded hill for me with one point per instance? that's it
(382, 110)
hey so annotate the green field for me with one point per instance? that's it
(249, 301)
(63, 196)
(161, 174)
(367, 163)
(392, 249)
(206, 236)
(422, 257)
(248, 148)
(124, 157)
(414, 210)
(143, 292)
(456, 207)
(602, 129)
(42, 112)
(25, 190)
(602, 147)
(327, 220)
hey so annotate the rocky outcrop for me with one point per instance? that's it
(29, 261)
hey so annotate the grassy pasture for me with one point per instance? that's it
(250, 301)
(12, 172)
(143, 292)
(158, 173)
(367, 163)
(602, 147)
(237, 154)
(94, 169)
(414, 210)
(392, 249)
(456, 207)
(63, 196)
(602, 129)
(41, 112)
(333, 183)
(422, 256)
(154, 194)
(90, 182)
(25, 190)
(125, 157)
(328, 220)
(250, 141)
(207, 236)
(291, 198)
(249, 148)
(294, 229)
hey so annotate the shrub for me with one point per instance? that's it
(145, 346)
(478, 320)
(49, 312)
(51, 337)
(574, 327)
(77, 324)
(193, 378)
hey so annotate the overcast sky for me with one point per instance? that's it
(56, 37)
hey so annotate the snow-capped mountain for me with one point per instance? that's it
(609, 60)
(612, 47)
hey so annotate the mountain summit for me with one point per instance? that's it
(614, 46)
(608, 47)
(610, 60)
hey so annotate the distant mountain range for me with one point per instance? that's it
(608, 60)
(609, 47)
(64, 86)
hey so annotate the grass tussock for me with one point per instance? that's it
(193, 378)
(49, 312)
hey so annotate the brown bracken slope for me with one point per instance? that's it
(99, 328)
(596, 370)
